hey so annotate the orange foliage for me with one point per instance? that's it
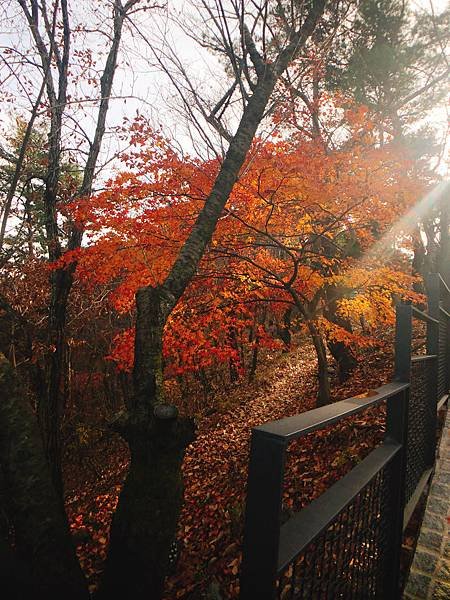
(300, 217)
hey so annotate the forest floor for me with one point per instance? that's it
(215, 470)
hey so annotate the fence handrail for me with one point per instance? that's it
(423, 357)
(290, 428)
(443, 283)
(422, 316)
(444, 312)
(306, 525)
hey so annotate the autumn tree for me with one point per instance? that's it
(57, 67)
(60, 68)
(156, 435)
(391, 60)
(289, 238)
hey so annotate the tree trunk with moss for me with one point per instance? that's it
(156, 435)
(146, 518)
(44, 560)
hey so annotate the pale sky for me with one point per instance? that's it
(139, 83)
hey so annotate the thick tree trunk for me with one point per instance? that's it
(155, 455)
(234, 362)
(444, 241)
(284, 332)
(254, 361)
(344, 357)
(51, 407)
(323, 394)
(14, 573)
(419, 265)
(144, 525)
(145, 522)
(42, 537)
(341, 352)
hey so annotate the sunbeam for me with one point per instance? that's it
(386, 245)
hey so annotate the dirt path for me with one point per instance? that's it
(215, 472)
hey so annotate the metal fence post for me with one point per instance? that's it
(262, 517)
(447, 349)
(396, 431)
(403, 337)
(433, 333)
(446, 303)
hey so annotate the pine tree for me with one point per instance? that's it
(394, 64)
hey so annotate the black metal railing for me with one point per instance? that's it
(346, 544)
(420, 372)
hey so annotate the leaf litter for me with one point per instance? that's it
(215, 472)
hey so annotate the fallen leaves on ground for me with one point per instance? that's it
(215, 473)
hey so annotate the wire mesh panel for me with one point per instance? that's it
(420, 423)
(349, 559)
(443, 355)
